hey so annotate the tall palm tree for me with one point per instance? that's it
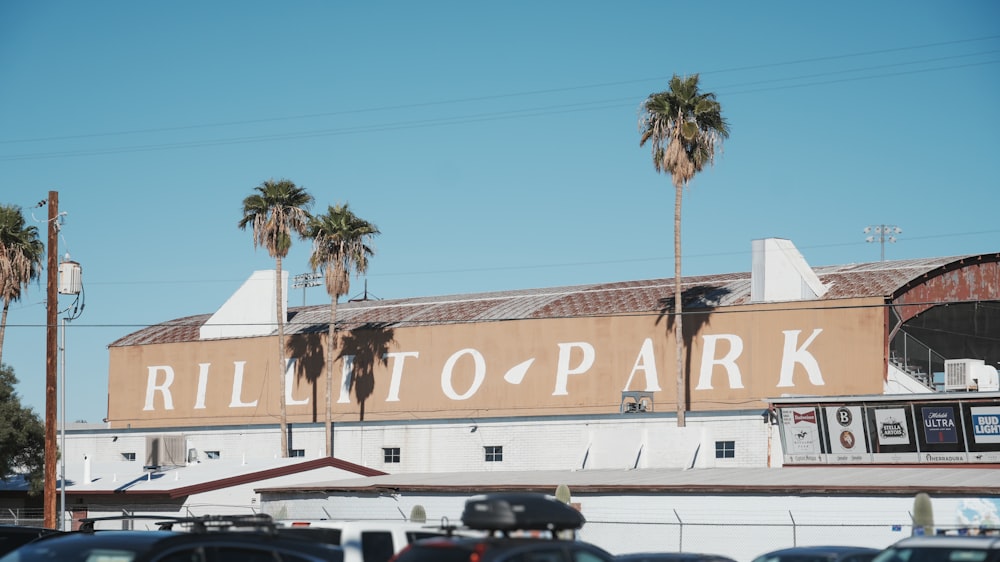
(276, 211)
(21, 256)
(685, 128)
(340, 247)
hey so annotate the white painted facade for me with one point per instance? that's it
(635, 440)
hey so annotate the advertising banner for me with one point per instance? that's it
(846, 435)
(941, 438)
(801, 435)
(891, 428)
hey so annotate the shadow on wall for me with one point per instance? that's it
(697, 305)
(311, 364)
(368, 343)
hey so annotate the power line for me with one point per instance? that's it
(518, 113)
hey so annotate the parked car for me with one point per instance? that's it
(517, 527)
(361, 541)
(820, 554)
(671, 557)
(206, 539)
(13, 536)
(943, 548)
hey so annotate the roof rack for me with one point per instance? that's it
(520, 511)
(196, 524)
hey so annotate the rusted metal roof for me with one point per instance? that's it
(878, 279)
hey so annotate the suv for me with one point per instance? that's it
(13, 536)
(362, 541)
(943, 548)
(207, 539)
(519, 527)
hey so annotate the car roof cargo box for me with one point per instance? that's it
(520, 511)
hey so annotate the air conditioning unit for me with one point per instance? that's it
(970, 374)
(165, 450)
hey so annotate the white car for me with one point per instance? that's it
(943, 548)
(362, 541)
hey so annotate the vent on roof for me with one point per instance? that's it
(778, 272)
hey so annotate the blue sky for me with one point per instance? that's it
(494, 144)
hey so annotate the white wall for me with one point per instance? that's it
(625, 441)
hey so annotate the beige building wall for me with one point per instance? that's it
(736, 356)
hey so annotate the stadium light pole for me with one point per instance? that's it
(882, 233)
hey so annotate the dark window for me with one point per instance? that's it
(128, 456)
(540, 554)
(390, 454)
(725, 449)
(213, 455)
(494, 453)
(376, 546)
(298, 453)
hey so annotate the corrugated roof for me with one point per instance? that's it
(883, 279)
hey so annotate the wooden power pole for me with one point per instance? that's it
(51, 361)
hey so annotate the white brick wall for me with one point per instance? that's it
(559, 443)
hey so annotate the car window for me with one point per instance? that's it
(104, 555)
(938, 555)
(376, 546)
(580, 555)
(244, 554)
(184, 555)
(540, 554)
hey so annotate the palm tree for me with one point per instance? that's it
(340, 247)
(685, 127)
(274, 212)
(21, 255)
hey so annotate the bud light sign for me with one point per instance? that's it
(986, 425)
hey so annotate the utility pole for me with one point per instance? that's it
(51, 355)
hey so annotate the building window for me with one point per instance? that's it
(298, 453)
(213, 455)
(494, 453)
(390, 454)
(128, 456)
(725, 449)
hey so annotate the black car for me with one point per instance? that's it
(517, 527)
(671, 557)
(13, 536)
(216, 539)
(820, 554)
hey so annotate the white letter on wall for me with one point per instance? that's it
(563, 370)
(397, 372)
(152, 387)
(790, 356)
(728, 362)
(645, 362)
(199, 400)
(346, 377)
(290, 384)
(477, 381)
(235, 401)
